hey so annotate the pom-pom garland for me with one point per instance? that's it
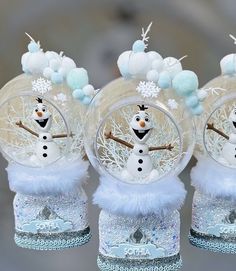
(58, 68)
(164, 72)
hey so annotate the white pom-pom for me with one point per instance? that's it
(172, 65)
(228, 64)
(123, 63)
(138, 64)
(202, 94)
(24, 59)
(152, 75)
(55, 64)
(37, 62)
(67, 64)
(158, 65)
(152, 55)
(62, 72)
(52, 55)
(88, 90)
(47, 72)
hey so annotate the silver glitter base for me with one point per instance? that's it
(212, 243)
(57, 241)
(171, 263)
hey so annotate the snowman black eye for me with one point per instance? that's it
(36, 110)
(44, 110)
(137, 118)
(147, 119)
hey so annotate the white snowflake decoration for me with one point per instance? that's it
(172, 104)
(60, 97)
(41, 85)
(148, 89)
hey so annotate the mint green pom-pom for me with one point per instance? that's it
(192, 101)
(77, 78)
(138, 46)
(164, 80)
(78, 94)
(197, 110)
(185, 82)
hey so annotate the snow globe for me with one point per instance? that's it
(41, 137)
(214, 204)
(139, 136)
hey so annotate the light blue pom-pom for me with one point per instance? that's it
(78, 94)
(86, 100)
(138, 46)
(197, 110)
(33, 47)
(56, 78)
(77, 78)
(185, 82)
(192, 101)
(164, 80)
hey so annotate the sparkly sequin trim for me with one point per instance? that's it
(212, 243)
(53, 241)
(171, 263)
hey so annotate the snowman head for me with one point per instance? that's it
(232, 120)
(42, 116)
(141, 125)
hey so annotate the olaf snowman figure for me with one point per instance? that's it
(46, 151)
(229, 149)
(139, 164)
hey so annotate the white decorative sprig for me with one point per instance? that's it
(148, 89)
(144, 34)
(233, 38)
(214, 90)
(172, 104)
(41, 85)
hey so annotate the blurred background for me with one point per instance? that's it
(94, 33)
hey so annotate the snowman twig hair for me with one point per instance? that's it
(142, 107)
(39, 100)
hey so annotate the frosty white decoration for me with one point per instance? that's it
(139, 137)
(41, 136)
(214, 203)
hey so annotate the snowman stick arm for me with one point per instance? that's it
(21, 125)
(121, 141)
(165, 147)
(210, 126)
(62, 135)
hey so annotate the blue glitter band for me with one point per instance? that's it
(53, 241)
(209, 242)
(172, 263)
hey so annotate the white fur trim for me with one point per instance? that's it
(59, 178)
(214, 179)
(139, 199)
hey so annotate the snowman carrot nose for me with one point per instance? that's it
(39, 114)
(142, 123)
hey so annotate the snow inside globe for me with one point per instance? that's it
(214, 217)
(41, 136)
(139, 136)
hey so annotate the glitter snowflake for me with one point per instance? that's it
(172, 104)
(60, 97)
(41, 85)
(148, 89)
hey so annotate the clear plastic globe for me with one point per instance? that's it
(137, 137)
